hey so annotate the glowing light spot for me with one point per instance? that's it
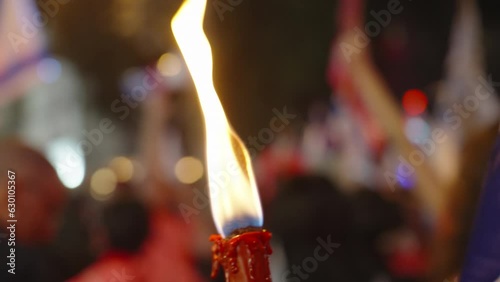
(169, 64)
(103, 183)
(189, 170)
(49, 70)
(417, 130)
(123, 168)
(59, 152)
(406, 182)
(415, 102)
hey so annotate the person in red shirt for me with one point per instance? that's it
(124, 226)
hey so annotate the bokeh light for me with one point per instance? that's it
(169, 65)
(49, 70)
(67, 158)
(103, 183)
(123, 168)
(415, 102)
(188, 170)
(406, 183)
(417, 130)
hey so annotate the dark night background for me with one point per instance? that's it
(266, 53)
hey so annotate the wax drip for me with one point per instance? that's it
(225, 251)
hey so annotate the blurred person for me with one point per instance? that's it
(406, 249)
(307, 210)
(123, 228)
(178, 248)
(375, 219)
(279, 159)
(310, 210)
(73, 240)
(39, 201)
(169, 253)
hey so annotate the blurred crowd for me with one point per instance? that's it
(378, 235)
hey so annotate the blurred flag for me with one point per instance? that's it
(341, 74)
(361, 87)
(22, 45)
(482, 263)
(466, 99)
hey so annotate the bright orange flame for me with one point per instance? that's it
(233, 192)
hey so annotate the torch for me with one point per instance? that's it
(242, 246)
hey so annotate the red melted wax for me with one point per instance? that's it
(225, 253)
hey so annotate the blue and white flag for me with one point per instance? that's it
(22, 46)
(482, 263)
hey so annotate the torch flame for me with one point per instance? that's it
(234, 197)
